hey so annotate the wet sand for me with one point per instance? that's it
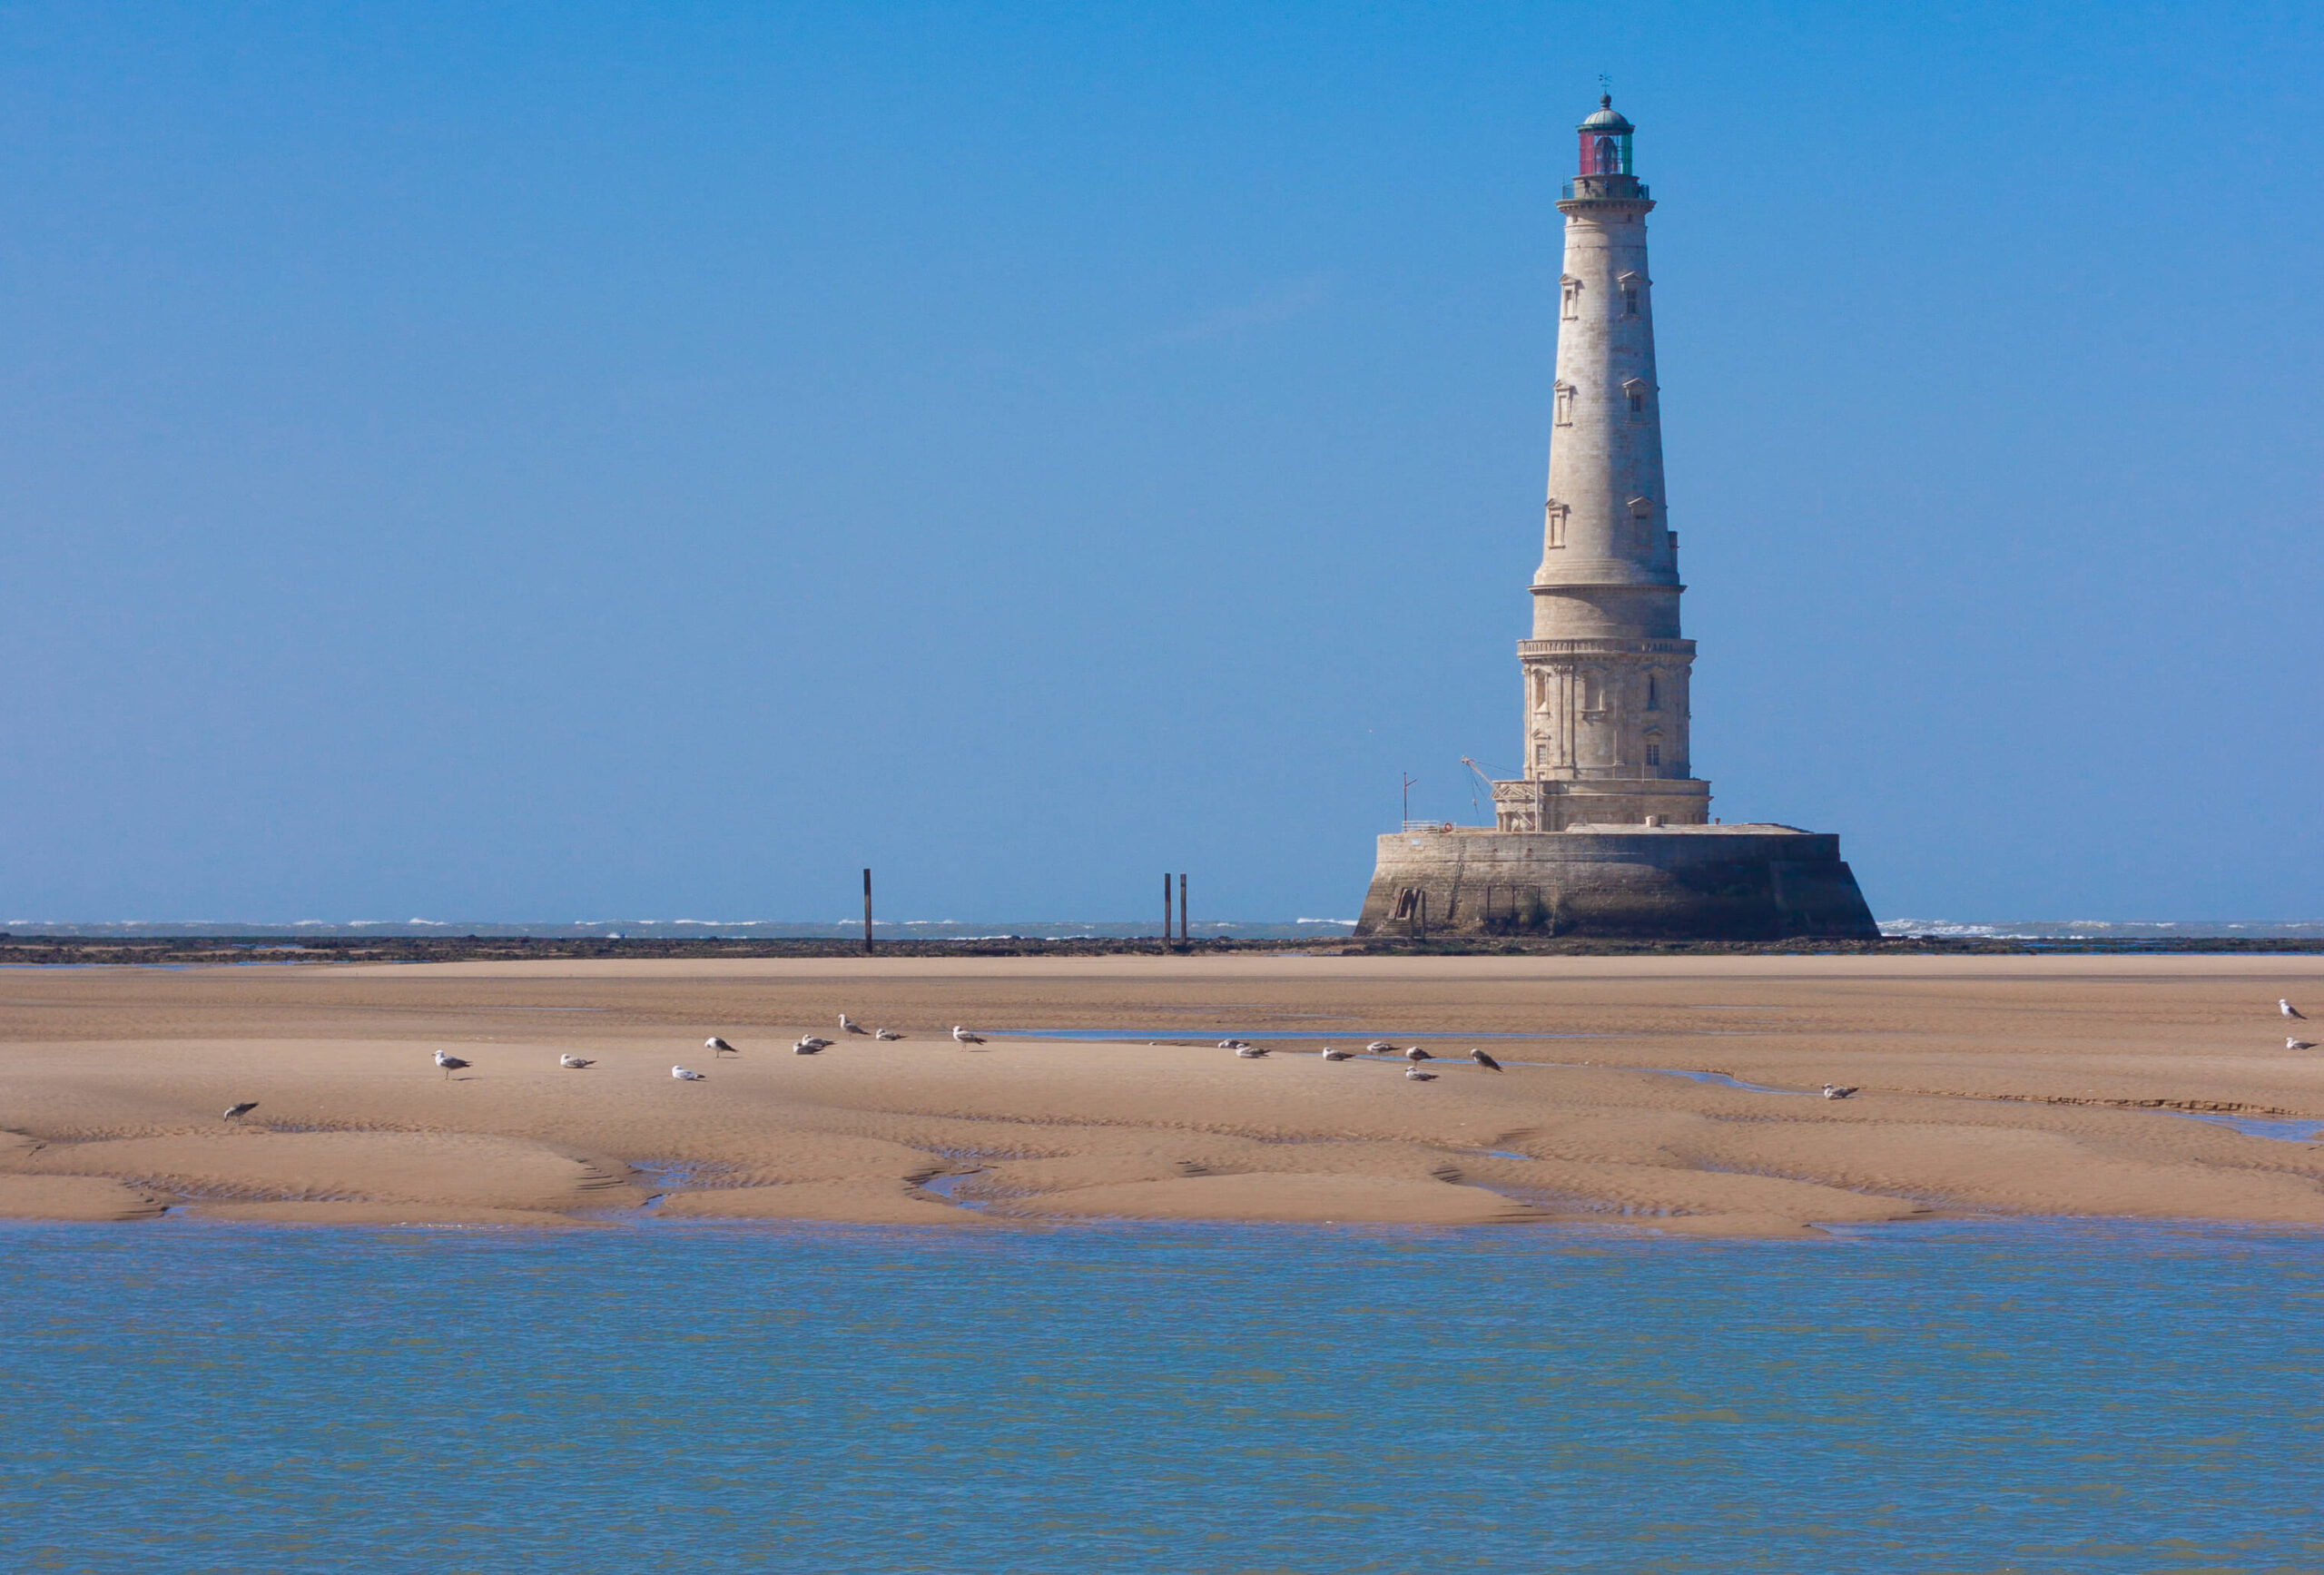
(1990, 1084)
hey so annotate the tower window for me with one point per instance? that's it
(1570, 298)
(1555, 535)
(1636, 389)
(1629, 300)
(1638, 404)
(1653, 694)
(1654, 754)
(1565, 405)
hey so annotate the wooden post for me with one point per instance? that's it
(867, 913)
(1182, 907)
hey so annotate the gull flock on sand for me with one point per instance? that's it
(1413, 1056)
(1245, 1049)
(814, 1044)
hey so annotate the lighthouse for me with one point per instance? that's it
(1607, 831)
(1607, 673)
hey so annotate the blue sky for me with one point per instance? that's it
(579, 461)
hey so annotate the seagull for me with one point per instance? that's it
(683, 1076)
(1380, 1048)
(1417, 1055)
(1232, 1044)
(449, 1063)
(966, 1038)
(1333, 1053)
(1252, 1052)
(847, 1025)
(816, 1040)
(810, 1046)
(236, 1112)
(2289, 1009)
(1414, 1075)
(2300, 1044)
(1835, 1092)
(887, 1034)
(1487, 1062)
(575, 1063)
(719, 1047)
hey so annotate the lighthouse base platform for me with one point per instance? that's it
(1740, 882)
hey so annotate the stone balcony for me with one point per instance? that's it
(1604, 648)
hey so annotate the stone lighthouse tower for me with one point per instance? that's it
(1608, 829)
(1606, 672)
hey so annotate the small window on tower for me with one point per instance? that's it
(1629, 300)
(1635, 390)
(1565, 404)
(1556, 516)
(1654, 754)
(1570, 296)
(1638, 404)
(1653, 692)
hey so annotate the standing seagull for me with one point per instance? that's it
(2300, 1044)
(1835, 1092)
(1416, 1055)
(2289, 1009)
(887, 1034)
(1333, 1053)
(236, 1112)
(966, 1038)
(717, 1046)
(575, 1063)
(683, 1076)
(451, 1064)
(1487, 1062)
(847, 1025)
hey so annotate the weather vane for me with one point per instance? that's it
(1605, 84)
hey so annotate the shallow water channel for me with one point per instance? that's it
(1167, 1398)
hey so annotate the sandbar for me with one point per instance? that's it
(2054, 1085)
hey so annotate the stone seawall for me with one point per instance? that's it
(1745, 882)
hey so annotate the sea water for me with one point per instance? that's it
(1951, 1397)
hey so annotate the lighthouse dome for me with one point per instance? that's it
(1608, 121)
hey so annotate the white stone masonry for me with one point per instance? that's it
(1607, 672)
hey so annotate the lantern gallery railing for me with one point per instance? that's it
(1623, 188)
